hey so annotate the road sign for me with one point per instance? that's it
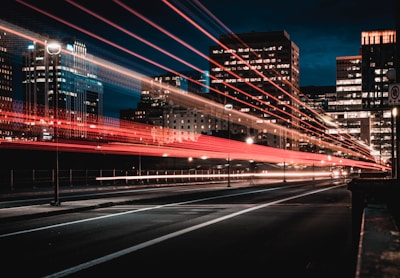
(394, 94)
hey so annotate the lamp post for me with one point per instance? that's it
(284, 171)
(228, 107)
(393, 115)
(54, 49)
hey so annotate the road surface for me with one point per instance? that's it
(301, 229)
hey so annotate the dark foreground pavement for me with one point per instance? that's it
(376, 216)
(377, 235)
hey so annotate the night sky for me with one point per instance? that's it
(322, 29)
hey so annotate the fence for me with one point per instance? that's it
(35, 178)
(15, 179)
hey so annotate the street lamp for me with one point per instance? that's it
(54, 49)
(228, 107)
(394, 161)
(395, 121)
(249, 140)
(284, 171)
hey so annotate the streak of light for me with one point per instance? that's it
(276, 174)
(96, 37)
(211, 147)
(197, 26)
(133, 35)
(193, 101)
(324, 118)
(142, 57)
(256, 71)
(215, 63)
(187, 64)
(129, 132)
(135, 75)
(164, 31)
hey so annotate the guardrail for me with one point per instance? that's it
(35, 178)
(28, 178)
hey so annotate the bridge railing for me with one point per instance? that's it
(41, 178)
(15, 179)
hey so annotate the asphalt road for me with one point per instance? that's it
(290, 230)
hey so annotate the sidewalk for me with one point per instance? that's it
(376, 209)
(379, 248)
(35, 211)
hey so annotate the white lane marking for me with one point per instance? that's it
(137, 210)
(154, 241)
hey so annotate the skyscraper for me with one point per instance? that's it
(258, 73)
(59, 81)
(361, 107)
(6, 82)
(6, 69)
(378, 53)
(348, 83)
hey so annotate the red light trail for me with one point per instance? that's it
(145, 140)
(201, 29)
(351, 144)
(136, 138)
(362, 150)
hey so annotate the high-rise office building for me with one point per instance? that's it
(348, 83)
(155, 107)
(258, 73)
(361, 107)
(6, 69)
(6, 82)
(378, 50)
(347, 108)
(60, 81)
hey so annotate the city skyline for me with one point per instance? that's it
(255, 60)
(323, 30)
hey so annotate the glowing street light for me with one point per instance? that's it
(394, 160)
(249, 140)
(53, 49)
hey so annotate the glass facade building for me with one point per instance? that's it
(62, 83)
(6, 81)
(361, 105)
(258, 73)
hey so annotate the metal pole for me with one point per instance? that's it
(284, 171)
(313, 171)
(228, 107)
(54, 49)
(392, 142)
